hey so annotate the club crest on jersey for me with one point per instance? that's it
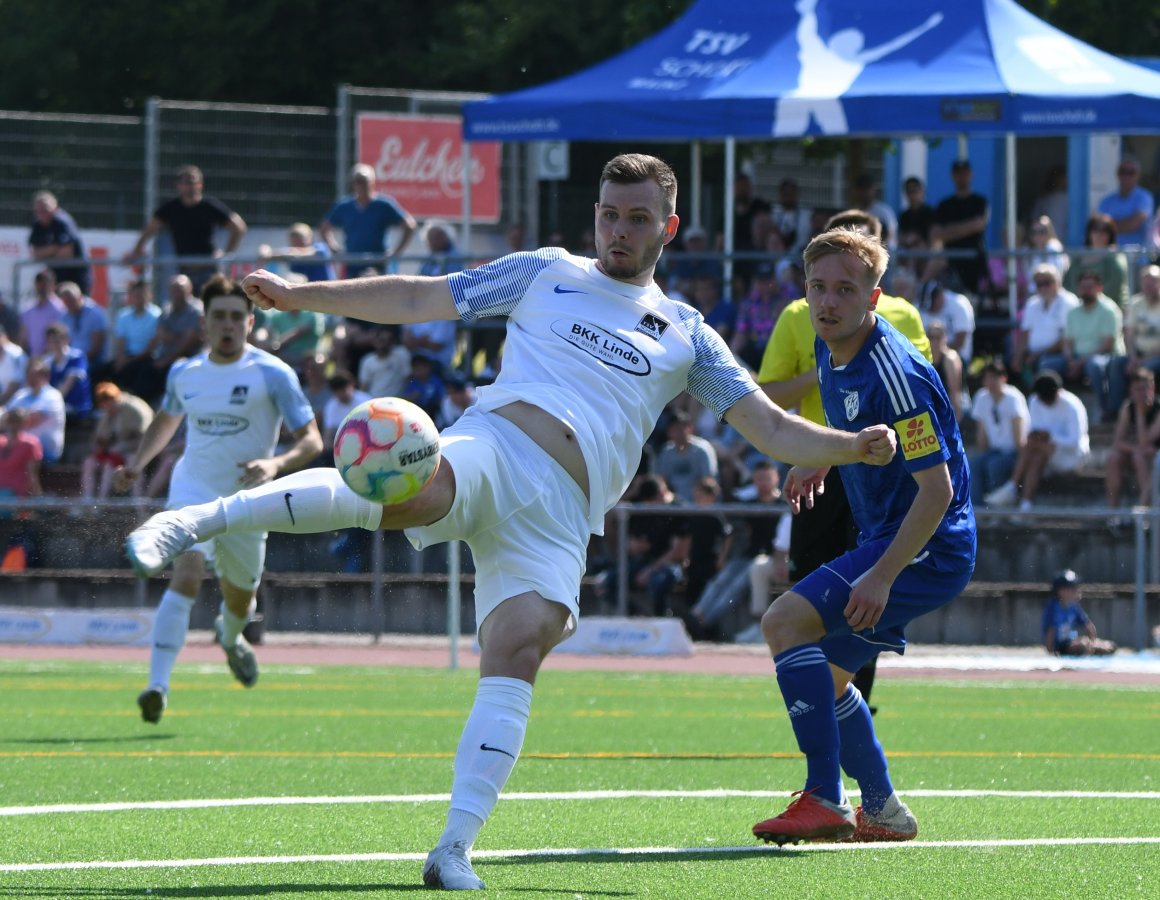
(916, 436)
(238, 394)
(852, 406)
(653, 326)
(611, 349)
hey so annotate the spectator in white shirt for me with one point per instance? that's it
(1001, 417)
(954, 310)
(1056, 444)
(1040, 338)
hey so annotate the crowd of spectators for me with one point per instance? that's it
(1084, 350)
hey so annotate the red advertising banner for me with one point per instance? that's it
(419, 161)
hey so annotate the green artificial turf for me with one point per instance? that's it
(384, 740)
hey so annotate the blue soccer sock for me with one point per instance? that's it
(862, 756)
(807, 686)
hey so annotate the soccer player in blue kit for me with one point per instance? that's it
(916, 549)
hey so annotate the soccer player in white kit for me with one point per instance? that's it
(234, 399)
(594, 352)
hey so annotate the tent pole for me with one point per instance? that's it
(696, 188)
(727, 206)
(1012, 267)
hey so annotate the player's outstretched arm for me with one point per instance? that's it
(387, 299)
(798, 441)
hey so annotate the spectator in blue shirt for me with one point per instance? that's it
(365, 217)
(1067, 630)
(68, 372)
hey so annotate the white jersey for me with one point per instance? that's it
(996, 417)
(601, 355)
(234, 413)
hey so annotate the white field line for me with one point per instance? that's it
(563, 853)
(538, 796)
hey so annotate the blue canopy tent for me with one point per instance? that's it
(755, 69)
(765, 68)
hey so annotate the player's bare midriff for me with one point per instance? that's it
(557, 439)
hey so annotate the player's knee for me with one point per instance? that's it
(790, 621)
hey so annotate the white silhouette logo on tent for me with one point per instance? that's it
(828, 70)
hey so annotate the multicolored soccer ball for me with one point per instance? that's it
(387, 450)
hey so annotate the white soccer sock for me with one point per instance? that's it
(304, 502)
(232, 624)
(488, 749)
(170, 627)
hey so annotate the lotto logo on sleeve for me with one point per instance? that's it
(916, 437)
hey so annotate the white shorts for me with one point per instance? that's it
(1064, 460)
(523, 516)
(237, 558)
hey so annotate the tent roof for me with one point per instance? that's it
(776, 68)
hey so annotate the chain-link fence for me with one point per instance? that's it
(92, 164)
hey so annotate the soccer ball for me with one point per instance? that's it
(387, 450)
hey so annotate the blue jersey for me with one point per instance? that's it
(1068, 622)
(889, 382)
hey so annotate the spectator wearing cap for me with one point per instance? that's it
(1057, 443)
(955, 312)
(1067, 629)
(960, 224)
(756, 316)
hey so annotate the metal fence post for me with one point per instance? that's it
(152, 154)
(342, 141)
(453, 601)
(378, 565)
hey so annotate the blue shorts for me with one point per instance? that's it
(922, 586)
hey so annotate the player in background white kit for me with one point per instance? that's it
(593, 353)
(234, 398)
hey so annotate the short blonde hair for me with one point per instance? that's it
(866, 249)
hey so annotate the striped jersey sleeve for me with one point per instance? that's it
(715, 378)
(893, 373)
(496, 288)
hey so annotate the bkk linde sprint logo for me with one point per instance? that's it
(916, 436)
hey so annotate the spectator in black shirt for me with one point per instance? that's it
(192, 218)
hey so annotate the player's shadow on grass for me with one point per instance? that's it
(623, 856)
(136, 739)
(213, 892)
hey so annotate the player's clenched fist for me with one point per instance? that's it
(876, 445)
(267, 290)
